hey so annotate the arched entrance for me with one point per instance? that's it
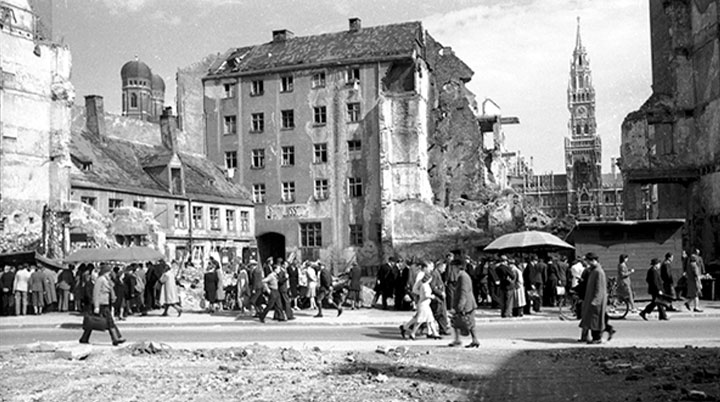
(271, 244)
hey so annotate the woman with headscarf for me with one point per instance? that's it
(168, 291)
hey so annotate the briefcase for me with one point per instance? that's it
(95, 322)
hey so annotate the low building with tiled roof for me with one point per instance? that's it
(120, 162)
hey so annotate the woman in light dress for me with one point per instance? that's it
(312, 285)
(169, 296)
(423, 313)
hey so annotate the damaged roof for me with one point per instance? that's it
(125, 166)
(373, 43)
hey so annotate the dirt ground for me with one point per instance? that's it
(149, 372)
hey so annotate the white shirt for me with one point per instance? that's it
(576, 270)
(22, 277)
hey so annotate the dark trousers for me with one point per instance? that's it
(105, 311)
(7, 303)
(597, 335)
(450, 295)
(440, 313)
(660, 306)
(286, 305)
(255, 299)
(273, 303)
(507, 299)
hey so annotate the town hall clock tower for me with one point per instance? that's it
(583, 148)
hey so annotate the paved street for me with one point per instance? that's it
(541, 334)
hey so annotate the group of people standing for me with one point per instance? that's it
(34, 288)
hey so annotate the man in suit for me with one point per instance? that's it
(535, 282)
(256, 286)
(668, 279)
(325, 288)
(506, 286)
(655, 288)
(465, 305)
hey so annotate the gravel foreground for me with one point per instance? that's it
(153, 372)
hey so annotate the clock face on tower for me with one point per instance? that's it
(581, 112)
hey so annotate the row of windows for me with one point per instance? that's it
(287, 155)
(311, 234)
(287, 119)
(287, 83)
(180, 218)
(321, 190)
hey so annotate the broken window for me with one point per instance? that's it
(353, 112)
(113, 204)
(197, 217)
(179, 217)
(286, 83)
(352, 75)
(257, 123)
(88, 201)
(230, 125)
(320, 115)
(259, 193)
(258, 158)
(288, 118)
(288, 191)
(288, 156)
(229, 90)
(140, 205)
(256, 88)
(320, 153)
(321, 189)
(318, 80)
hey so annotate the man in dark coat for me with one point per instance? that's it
(387, 286)
(655, 289)
(668, 279)
(594, 307)
(152, 276)
(506, 286)
(325, 288)
(210, 286)
(437, 304)
(465, 305)
(451, 274)
(535, 283)
(355, 286)
(283, 288)
(256, 286)
(401, 285)
(7, 281)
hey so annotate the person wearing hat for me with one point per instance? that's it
(655, 288)
(594, 307)
(256, 287)
(103, 298)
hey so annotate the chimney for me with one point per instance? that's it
(169, 129)
(95, 115)
(281, 35)
(355, 24)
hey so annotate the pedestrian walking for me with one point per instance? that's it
(451, 276)
(256, 286)
(624, 284)
(118, 277)
(293, 283)
(274, 303)
(312, 277)
(324, 292)
(169, 296)
(655, 289)
(437, 303)
(594, 307)
(423, 314)
(463, 320)
(284, 289)
(210, 286)
(243, 288)
(21, 285)
(694, 285)
(354, 285)
(103, 299)
(667, 274)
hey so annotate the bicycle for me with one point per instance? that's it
(569, 306)
(617, 308)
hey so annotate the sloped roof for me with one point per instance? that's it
(121, 165)
(373, 43)
(611, 180)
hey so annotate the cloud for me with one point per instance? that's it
(132, 6)
(162, 16)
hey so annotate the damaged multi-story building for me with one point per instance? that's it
(583, 191)
(671, 146)
(344, 139)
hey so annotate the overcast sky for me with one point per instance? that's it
(520, 50)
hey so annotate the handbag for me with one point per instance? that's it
(560, 290)
(95, 322)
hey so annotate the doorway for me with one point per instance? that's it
(271, 244)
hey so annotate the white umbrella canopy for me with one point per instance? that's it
(530, 239)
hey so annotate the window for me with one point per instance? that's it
(88, 201)
(288, 191)
(320, 153)
(256, 88)
(353, 75)
(197, 217)
(230, 125)
(257, 125)
(113, 204)
(356, 235)
(231, 160)
(288, 156)
(354, 146)
(140, 205)
(353, 112)
(244, 221)
(288, 119)
(321, 189)
(355, 187)
(230, 220)
(180, 216)
(318, 80)
(133, 101)
(86, 166)
(311, 234)
(258, 158)
(259, 193)
(229, 90)
(215, 218)
(176, 181)
(320, 115)
(286, 83)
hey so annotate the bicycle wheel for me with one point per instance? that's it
(617, 309)
(567, 308)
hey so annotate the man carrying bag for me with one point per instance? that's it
(103, 298)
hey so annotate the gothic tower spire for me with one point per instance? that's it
(578, 41)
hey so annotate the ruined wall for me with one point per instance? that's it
(190, 112)
(35, 125)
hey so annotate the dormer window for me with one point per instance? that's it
(176, 183)
(352, 76)
(86, 166)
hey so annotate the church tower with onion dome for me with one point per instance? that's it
(583, 147)
(143, 93)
